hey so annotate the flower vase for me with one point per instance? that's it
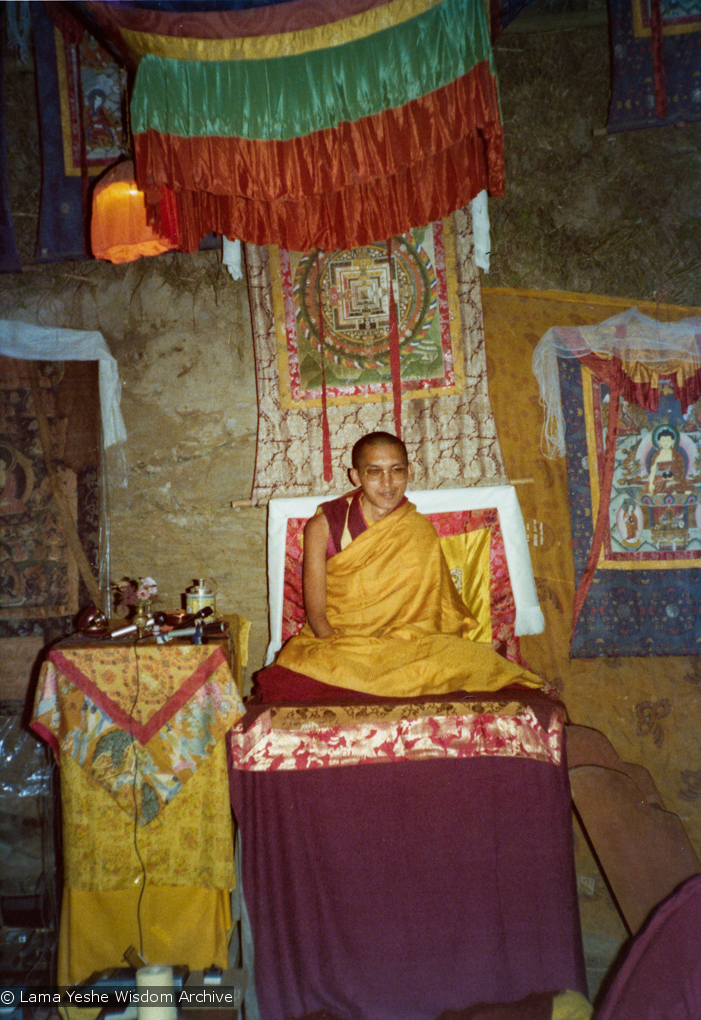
(141, 617)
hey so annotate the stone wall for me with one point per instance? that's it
(179, 327)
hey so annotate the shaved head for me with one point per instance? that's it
(373, 439)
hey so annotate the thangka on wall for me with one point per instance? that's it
(353, 287)
(643, 599)
(40, 588)
(61, 233)
(649, 91)
(103, 95)
(447, 422)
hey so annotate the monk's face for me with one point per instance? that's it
(383, 475)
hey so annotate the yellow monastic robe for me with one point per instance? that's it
(402, 629)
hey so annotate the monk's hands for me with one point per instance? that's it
(322, 629)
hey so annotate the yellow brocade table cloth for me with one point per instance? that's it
(402, 629)
(138, 732)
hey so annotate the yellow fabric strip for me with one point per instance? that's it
(467, 556)
(182, 925)
(286, 44)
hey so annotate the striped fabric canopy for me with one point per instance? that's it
(312, 124)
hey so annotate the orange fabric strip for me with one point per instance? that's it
(426, 191)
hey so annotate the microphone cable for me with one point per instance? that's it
(135, 796)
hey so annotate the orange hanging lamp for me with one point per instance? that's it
(119, 228)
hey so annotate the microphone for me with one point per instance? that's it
(209, 630)
(201, 614)
(158, 619)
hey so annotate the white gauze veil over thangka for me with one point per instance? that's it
(630, 336)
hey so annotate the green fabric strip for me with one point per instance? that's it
(292, 96)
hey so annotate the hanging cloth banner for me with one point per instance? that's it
(81, 90)
(655, 64)
(309, 131)
(629, 393)
(447, 421)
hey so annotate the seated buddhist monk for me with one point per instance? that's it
(383, 614)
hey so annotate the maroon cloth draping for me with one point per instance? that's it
(337, 513)
(687, 391)
(538, 1006)
(661, 975)
(277, 683)
(270, 19)
(401, 890)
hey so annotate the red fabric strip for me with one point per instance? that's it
(274, 19)
(168, 209)
(602, 521)
(357, 215)
(395, 365)
(461, 119)
(142, 732)
(657, 44)
(325, 434)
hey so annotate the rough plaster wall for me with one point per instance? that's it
(179, 327)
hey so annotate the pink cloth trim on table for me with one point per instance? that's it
(280, 740)
(143, 732)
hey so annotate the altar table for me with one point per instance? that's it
(403, 859)
(138, 731)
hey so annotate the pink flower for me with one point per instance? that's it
(135, 589)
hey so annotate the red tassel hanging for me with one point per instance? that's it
(325, 433)
(84, 178)
(394, 356)
(657, 43)
(604, 499)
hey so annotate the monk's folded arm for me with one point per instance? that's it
(316, 536)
